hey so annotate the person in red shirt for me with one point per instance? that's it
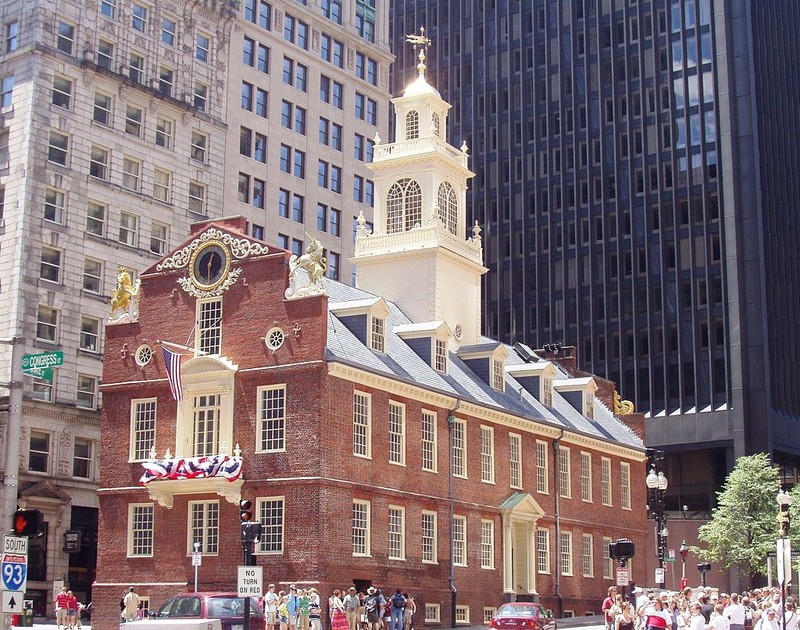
(72, 610)
(62, 608)
(608, 602)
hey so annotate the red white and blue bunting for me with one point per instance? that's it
(225, 466)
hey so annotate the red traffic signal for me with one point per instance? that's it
(245, 510)
(28, 523)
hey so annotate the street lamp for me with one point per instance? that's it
(684, 551)
(784, 550)
(656, 490)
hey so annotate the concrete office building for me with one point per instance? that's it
(636, 179)
(121, 123)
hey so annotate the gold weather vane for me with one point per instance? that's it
(420, 43)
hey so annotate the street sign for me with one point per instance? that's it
(250, 581)
(42, 364)
(197, 559)
(14, 565)
(659, 575)
(622, 576)
(12, 601)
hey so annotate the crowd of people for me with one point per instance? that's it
(300, 609)
(700, 609)
(67, 610)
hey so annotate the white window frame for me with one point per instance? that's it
(55, 202)
(86, 391)
(140, 530)
(96, 277)
(83, 458)
(488, 612)
(62, 92)
(102, 109)
(165, 129)
(159, 237)
(515, 460)
(586, 477)
(361, 528)
(50, 323)
(362, 424)
(99, 163)
(587, 556)
(487, 544)
(459, 540)
(564, 472)
(605, 481)
(542, 550)
(440, 355)
(396, 545)
(377, 335)
(61, 150)
(205, 430)
(144, 419)
(199, 146)
(487, 454)
(565, 553)
(547, 390)
(203, 526)
(459, 447)
(162, 185)
(209, 325)
(271, 419)
(271, 513)
(397, 433)
(128, 229)
(429, 534)
(430, 451)
(542, 481)
(433, 613)
(45, 454)
(89, 340)
(197, 198)
(498, 375)
(50, 265)
(134, 120)
(625, 485)
(131, 174)
(608, 561)
(462, 614)
(96, 223)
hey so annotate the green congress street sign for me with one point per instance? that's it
(42, 364)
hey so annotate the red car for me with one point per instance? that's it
(227, 607)
(522, 616)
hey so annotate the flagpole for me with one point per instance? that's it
(181, 347)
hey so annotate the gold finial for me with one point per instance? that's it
(420, 43)
(621, 407)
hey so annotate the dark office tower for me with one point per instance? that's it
(637, 184)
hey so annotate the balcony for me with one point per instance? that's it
(209, 474)
(417, 147)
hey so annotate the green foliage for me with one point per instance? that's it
(744, 525)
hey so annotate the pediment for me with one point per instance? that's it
(522, 505)
(44, 491)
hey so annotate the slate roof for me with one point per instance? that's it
(402, 363)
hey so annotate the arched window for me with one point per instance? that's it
(435, 124)
(403, 206)
(412, 124)
(448, 207)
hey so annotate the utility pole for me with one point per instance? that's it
(13, 432)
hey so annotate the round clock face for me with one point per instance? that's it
(210, 265)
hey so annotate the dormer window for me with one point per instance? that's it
(412, 125)
(209, 325)
(547, 390)
(498, 375)
(377, 338)
(588, 404)
(440, 355)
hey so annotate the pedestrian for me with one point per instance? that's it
(408, 611)
(62, 606)
(314, 611)
(270, 606)
(339, 618)
(131, 604)
(372, 606)
(398, 606)
(293, 607)
(351, 605)
(625, 620)
(768, 621)
(72, 609)
(735, 613)
(283, 612)
(303, 607)
(608, 602)
(697, 621)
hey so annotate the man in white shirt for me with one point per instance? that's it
(271, 606)
(735, 612)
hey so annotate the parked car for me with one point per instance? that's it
(522, 616)
(227, 607)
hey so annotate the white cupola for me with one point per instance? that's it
(419, 255)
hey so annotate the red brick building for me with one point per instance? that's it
(382, 439)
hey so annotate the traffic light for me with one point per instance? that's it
(245, 510)
(28, 523)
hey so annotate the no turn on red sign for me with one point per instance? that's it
(250, 581)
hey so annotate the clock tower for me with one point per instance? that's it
(419, 255)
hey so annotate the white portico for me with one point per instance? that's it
(520, 514)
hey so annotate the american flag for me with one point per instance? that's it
(172, 361)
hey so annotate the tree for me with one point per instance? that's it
(743, 527)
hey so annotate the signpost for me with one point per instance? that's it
(14, 571)
(42, 364)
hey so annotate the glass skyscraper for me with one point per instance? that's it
(636, 183)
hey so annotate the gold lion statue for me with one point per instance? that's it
(125, 295)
